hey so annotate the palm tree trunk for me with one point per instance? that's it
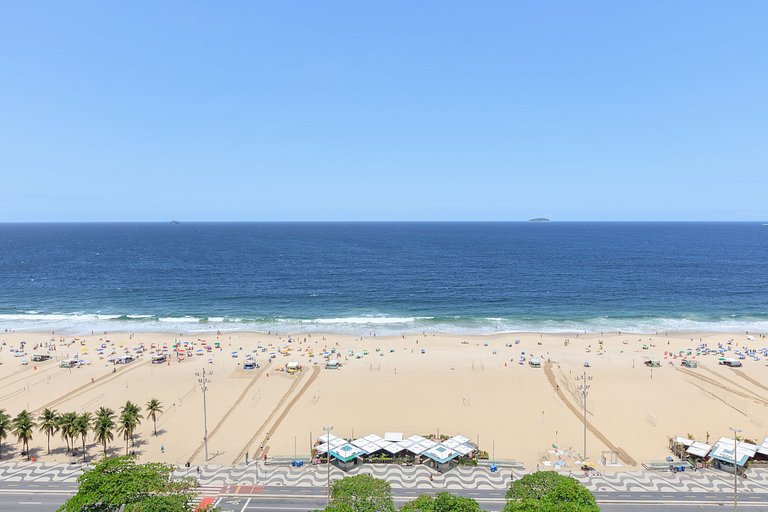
(26, 444)
(154, 420)
(83, 448)
(49, 442)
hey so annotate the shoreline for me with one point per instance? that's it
(470, 385)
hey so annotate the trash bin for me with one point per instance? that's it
(494, 468)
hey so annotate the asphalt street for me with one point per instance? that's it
(47, 497)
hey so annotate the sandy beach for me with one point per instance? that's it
(416, 384)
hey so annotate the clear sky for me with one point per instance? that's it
(363, 110)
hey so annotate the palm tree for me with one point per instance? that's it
(81, 427)
(154, 407)
(67, 427)
(5, 427)
(23, 426)
(125, 424)
(103, 426)
(132, 412)
(49, 423)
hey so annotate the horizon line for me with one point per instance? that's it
(528, 221)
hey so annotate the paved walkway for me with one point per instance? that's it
(417, 477)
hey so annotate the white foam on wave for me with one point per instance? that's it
(56, 317)
(366, 320)
(82, 323)
(179, 320)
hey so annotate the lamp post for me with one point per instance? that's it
(584, 390)
(327, 430)
(203, 378)
(735, 465)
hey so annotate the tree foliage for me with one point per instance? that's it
(154, 407)
(104, 426)
(118, 482)
(361, 493)
(442, 502)
(23, 426)
(49, 424)
(548, 491)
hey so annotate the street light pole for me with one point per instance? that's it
(203, 378)
(735, 465)
(328, 453)
(584, 390)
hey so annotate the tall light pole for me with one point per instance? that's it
(735, 465)
(203, 378)
(584, 390)
(328, 453)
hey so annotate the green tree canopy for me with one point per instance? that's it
(361, 493)
(118, 481)
(442, 502)
(548, 491)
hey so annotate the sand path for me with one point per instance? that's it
(623, 455)
(229, 412)
(104, 379)
(743, 375)
(283, 414)
(716, 397)
(737, 384)
(716, 382)
(25, 375)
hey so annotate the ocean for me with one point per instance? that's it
(360, 278)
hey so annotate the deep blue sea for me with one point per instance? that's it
(384, 277)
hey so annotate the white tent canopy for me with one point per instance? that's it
(393, 443)
(763, 449)
(699, 449)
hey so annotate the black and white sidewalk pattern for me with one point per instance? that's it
(212, 478)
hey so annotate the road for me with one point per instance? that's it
(47, 497)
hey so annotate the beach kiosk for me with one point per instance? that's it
(332, 364)
(722, 454)
(292, 367)
(442, 457)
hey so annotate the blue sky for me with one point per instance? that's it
(384, 110)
